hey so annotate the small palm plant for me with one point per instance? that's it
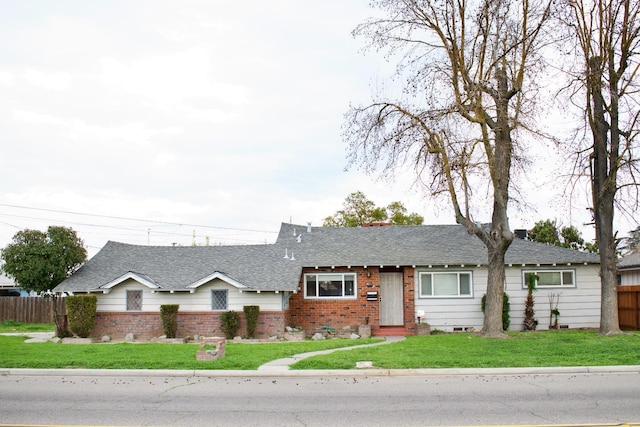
(554, 298)
(529, 321)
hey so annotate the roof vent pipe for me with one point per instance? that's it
(308, 227)
(294, 231)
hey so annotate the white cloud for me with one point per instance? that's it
(224, 114)
(172, 79)
(7, 78)
(126, 133)
(53, 81)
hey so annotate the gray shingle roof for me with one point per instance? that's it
(260, 267)
(413, 245)
(263, 267)
(629, 261)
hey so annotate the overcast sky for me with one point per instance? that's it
(219, 118)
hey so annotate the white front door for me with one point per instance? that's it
(391, 312)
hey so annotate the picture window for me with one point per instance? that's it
(330, 285)
(550, 278)
(446, 284)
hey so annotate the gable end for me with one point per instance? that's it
(217, 275)
(144, 280)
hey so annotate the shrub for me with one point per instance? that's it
(506, 317)
(81, 313)
(229, 322)
(251, 313)
(169, 316)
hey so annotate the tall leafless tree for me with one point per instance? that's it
(466, 71)
(608, 45)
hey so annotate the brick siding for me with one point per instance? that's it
(313, 315)
(316, 315)
(146, 325)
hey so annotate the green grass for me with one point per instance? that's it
(521, 349)
(15, 353)
(13, 326)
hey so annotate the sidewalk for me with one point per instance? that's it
(280, 365)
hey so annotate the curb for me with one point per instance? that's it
(285, 372)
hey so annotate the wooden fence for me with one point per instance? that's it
(29, 309)
(629, 307)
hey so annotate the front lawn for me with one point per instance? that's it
(521, 349)
(15, 353)
(13, 326)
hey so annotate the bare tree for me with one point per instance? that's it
(608, 42)
(467, 86)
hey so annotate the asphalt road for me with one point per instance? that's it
(454, 399)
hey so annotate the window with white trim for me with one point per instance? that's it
(219, 299)
(330, 285)
(550, 278)
(134, 300)
(441, 284)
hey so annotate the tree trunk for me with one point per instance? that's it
(62, 329)
(492, 326)
(603, 180)
(529, 313)
(609, 322)
(500, 236)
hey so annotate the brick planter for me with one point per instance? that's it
(423, 329)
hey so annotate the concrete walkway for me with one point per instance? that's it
(280, 365)
(33, 336)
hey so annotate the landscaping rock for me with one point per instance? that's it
(364, 365)
(354, 336)
(76, 340)
(294, 335)
(204, 354)
(106, 338)
(318, 336)
(129, 337)
(364, 330)
(163, 339)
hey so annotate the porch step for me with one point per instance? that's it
(390, 331)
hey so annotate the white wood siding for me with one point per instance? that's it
(579, 307)
(200, 300)
(630, 278)
(446, 314)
